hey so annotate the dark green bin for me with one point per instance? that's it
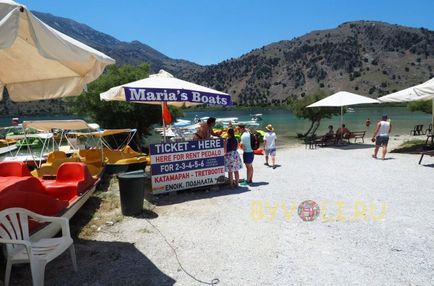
(132, 192)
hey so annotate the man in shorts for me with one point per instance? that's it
(248, 154)
(270, 145)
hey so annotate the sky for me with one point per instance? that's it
(208, 32)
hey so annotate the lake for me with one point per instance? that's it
(287, 125)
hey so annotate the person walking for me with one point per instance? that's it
(270, 145)
(232, 159)
(248, 154)
(381, 136)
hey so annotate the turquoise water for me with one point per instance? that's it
(287, 126)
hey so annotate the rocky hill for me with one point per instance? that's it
(369, 58)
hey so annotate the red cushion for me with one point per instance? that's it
(13, 168)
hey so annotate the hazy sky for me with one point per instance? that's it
(208, 32)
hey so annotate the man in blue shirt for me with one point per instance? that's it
(248, 154)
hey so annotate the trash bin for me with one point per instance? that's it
(132, 192)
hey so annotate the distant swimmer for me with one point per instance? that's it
(368, 122)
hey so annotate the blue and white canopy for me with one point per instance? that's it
(164, 87)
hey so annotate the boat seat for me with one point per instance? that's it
(24, 184)
(93, 157)
(72, 180)
(36, 202)
(44, 171)
(13, 168)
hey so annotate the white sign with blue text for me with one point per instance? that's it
(186, 165)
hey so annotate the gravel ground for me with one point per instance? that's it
(254, 236)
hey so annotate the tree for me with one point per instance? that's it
(298, 107)
(420, 105)
(117, 114)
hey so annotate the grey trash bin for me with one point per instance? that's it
(132, 192)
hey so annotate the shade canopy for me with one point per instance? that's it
(47, 125)
(39, 62)
(422, 91)
(343, 98)
(426, 90)
(164, 87)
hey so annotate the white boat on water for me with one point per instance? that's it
(221, 119)
(350, 109)
(182, 123)
(256, 117)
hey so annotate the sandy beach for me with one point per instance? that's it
(374, 228)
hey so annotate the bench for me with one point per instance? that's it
(328, 139)
(423, 153)
(356, 135)
(417, 130)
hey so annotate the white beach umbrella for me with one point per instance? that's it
(417, 92)
(341, 99)
(423, 91)
(164, 87)
(38, 62)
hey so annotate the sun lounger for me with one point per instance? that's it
(423, 153)
(429, 129)
(417, 130)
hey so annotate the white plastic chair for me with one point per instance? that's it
(14, 232)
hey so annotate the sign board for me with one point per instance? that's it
(186, 165)
(136, 94)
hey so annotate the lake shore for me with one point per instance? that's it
(371, 228)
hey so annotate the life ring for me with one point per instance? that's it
(258, 151)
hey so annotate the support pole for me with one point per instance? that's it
(432, 117)
(164, 123)
(342, 115)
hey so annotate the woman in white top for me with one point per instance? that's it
(381, 136)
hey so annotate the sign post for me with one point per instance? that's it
(185, 165)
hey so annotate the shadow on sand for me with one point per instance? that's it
(99, 263)
(352, 146)
(198, 194)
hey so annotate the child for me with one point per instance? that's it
(232, 159)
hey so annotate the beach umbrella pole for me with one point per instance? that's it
(432, 117)
(342, 115)
(164, 123)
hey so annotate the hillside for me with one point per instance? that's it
(369, 58)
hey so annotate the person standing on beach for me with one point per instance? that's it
(270, 145)
(248, 154)
(232, 159)
(381, 136)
